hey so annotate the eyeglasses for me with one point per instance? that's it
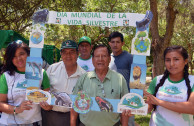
(16, 42)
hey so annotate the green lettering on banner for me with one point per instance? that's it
(58, 14)
(122, 15)
(86, 15)
(73, 14)
(102, 23)
(89, 15)
(116, 23)
(61, 14)
(64, 14)
(110, 15)
(74, 22)
(95, 15)
(99, 16)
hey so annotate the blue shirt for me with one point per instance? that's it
(123, 63)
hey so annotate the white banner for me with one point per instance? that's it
(95, 18)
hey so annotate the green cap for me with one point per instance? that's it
(85, 39)
(69, 44)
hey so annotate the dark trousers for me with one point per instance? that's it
(53, 118)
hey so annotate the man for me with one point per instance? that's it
(114, 87)
(122, 60)
(63, 77)
(85, 58)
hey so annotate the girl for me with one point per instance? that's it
(171, 95)
(15, 110)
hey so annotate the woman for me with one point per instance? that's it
(171, 95)
(15, 110)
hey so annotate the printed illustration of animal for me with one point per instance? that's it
(143, 24)
(104, 104)
(40, 16)
(136, 84)
(62, 99)
(34, 65)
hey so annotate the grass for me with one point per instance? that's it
(142, 120)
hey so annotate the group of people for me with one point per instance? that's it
(102, 69)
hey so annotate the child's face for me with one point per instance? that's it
(175, 63)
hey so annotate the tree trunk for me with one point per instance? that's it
(160, 43)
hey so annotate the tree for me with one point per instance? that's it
(16, 14)
(141, 35)
(183, 31)
(160, 42)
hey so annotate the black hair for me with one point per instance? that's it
(10, 54)
(184, 54)
(114, 35)
(101, 44)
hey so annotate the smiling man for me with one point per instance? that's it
(101, 82)
(63, 77)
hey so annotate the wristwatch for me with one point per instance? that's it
(14, 110)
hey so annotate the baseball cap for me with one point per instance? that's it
(84, 39)
(69, 44)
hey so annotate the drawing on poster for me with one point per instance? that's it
(40, 16)
(133, 102)
(37, 96)
(144, 24)
(33, 68)
(82, 103)
(138, 76)
(37, 36)
(141, 43)
(103, 104)
(62, 99)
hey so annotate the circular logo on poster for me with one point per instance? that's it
(36, 37)
(82, 103)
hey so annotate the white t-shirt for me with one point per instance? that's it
(61, 82)
(16, 85)
(85, 64)
(112, 64)
(173, 92)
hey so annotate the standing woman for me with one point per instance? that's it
(171, 95)
(15, 109)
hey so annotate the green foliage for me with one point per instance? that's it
(16, 15)
(142, 120)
